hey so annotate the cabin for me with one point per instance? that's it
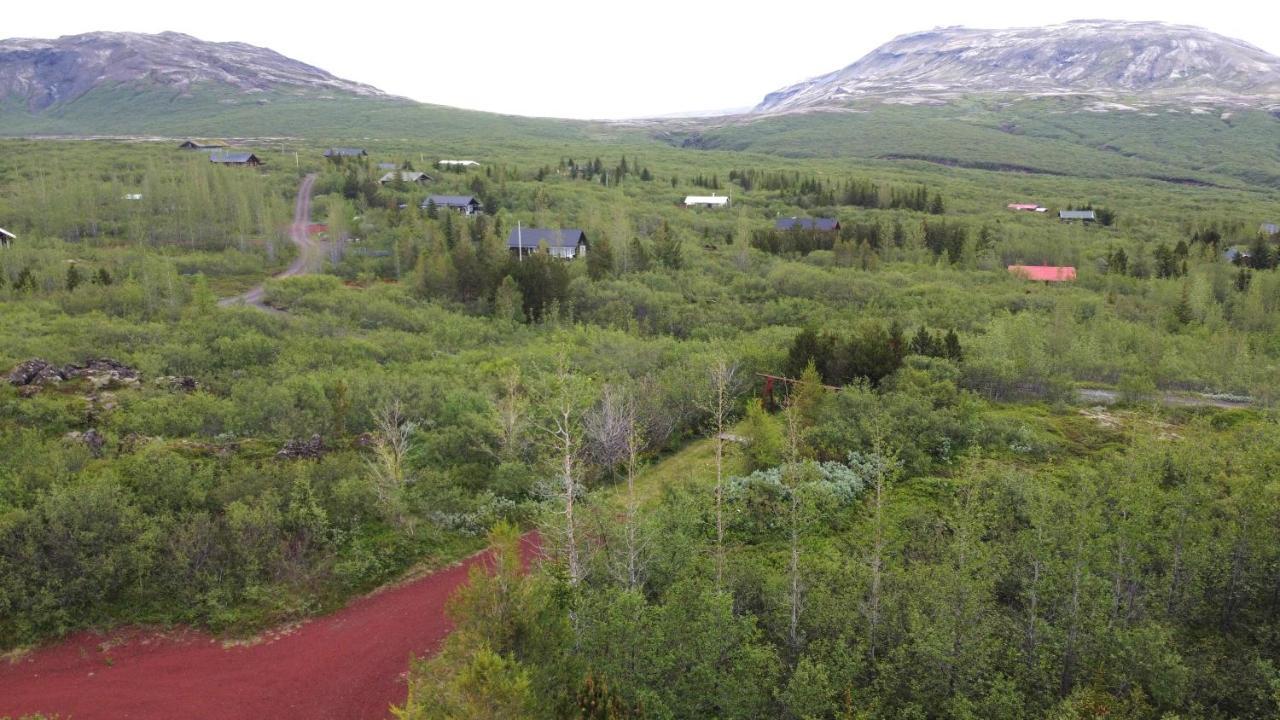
(457, 163)
(710, 201)
(1044, 273)
(420, 178)
(335, 153)
(815, 224)
(6, 238)
(1269, 229)
(1026, 207)
(193, 145)
(1086, 216)
(568, 243)
(242, 159)
(465, 204)
(1236, 255)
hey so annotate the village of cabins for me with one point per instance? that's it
(570, 243)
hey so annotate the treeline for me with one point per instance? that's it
(192, 204)
(593, 170)
(811, 191)
(872, 353)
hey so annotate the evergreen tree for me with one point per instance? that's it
(600, 260)
(668, 247)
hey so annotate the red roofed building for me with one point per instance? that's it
(1024, 206)
(1044, 273)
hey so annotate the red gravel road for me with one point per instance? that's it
(346, 666)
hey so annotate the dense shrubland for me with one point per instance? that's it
(945, 536)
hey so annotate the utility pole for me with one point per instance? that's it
(519, 242)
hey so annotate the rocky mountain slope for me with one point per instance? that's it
(1106, 59)
(44, 74)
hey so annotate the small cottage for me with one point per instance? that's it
(465, 204)
(816, 224)
(1026, 207)
(194, 145)
(234, 159)
(710, 201)
(420, 178)
(1086, 216)
(1044, 273)
(6, 238)
(568, 243)
(334, 153)
(457, 163)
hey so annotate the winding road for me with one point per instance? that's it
(350, 665)
(310, 251)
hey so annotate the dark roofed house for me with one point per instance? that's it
(465, 204)
(567, 243)
(406, 176)
(818, 224)
(1081, 215)
(225, 158)
(345, 152)
(6, 237)
(193, 145)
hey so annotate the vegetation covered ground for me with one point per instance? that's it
(946, 535)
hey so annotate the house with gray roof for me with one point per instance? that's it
(408, 176)
(465, 204)
(567, 243)
(6, 237)
(1087, 216)
(818, 224)
(200, 145)
(226, 158)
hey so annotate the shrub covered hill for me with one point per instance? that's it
(987, 497)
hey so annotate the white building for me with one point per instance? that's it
(706, 201)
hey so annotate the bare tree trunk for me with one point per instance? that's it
(1068, 677)
(631, 532)
(1031, 635)
(791, 481)
(568, 479)
(719, 405)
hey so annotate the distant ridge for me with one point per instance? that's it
(45, 74)
(1108, 59)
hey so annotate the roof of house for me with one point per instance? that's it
(234, 158)
(1270, 228)
(706, 200)
(405, 175)
(457, 162)
(6, 234)
(200, 145)
(1023, 206)
(1077, 215)
(344, 152)
(822, 224)
(450, 200)
(1045, 273)
(533, 237)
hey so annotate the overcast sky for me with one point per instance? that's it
(583, 59)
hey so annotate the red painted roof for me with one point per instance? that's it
(1046, 273)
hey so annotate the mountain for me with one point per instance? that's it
(44, 74)
(1107, 59)
(109, 83)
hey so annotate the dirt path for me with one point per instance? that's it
(1110, 397)
(309, 251)
(345, 666)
